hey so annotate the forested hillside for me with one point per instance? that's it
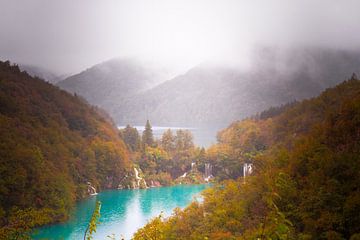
(216, 95)
(305, 183)
(51, 145)
(210, 94)
(171, 159)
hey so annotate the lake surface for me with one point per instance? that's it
(122, 211)
(203, 136)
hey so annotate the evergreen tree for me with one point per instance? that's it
(147, 137)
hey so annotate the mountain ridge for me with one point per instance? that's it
(218, 94)
(225, 94)
(108, 82)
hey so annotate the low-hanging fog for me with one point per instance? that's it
(184, 62)
(69, 36)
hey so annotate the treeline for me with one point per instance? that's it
(166, 159)
(51, 145)
(306, 181)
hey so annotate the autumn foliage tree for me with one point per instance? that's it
(305, 183)
(51, 144)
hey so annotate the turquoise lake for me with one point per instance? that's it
(122, 211)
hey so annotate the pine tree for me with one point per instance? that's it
(147, 137)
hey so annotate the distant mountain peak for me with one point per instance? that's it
(107, 83)
(211, 93)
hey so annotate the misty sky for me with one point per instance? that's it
(67, 36)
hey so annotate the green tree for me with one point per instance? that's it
(148, 137)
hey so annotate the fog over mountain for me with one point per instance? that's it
(108, 83)
(220, 69)
(211, 94)
(67, 37)
(42, 73)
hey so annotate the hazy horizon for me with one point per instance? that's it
(67, 37)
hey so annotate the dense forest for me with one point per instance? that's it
(305, 183)
(171, 159)
(52, 145)
(305, 158)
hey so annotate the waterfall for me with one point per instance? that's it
(247, 169)
(91, 190)
(184, 175)
(208, 172)
(191, 170)
(138, 179)
(192, 166)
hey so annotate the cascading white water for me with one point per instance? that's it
(138, 179)
(247, 169)
(208, 172)
(192, 166)
(184, 175)
(191, 170)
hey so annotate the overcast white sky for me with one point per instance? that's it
(68, 36)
